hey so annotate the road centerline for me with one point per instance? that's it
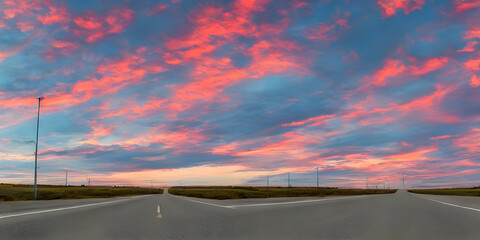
(159, 214)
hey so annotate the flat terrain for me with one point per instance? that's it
(263, 192)
(449, 191)
(15, 192)
(401, 215)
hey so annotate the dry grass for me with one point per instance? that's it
(449, 191)
(262, 192)
(14, 192)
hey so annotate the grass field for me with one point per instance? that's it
(14, 192)
(262, 192)
(449, 191)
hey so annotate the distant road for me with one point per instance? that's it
(401, 215)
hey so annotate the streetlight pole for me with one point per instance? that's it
(66, 177)
(289, 180)
(36, 151)
(267, 181)
(317, 178)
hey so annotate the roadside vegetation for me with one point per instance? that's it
(449, 191)
(15, 192)
(263, 192)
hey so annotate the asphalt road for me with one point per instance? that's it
(393, 216)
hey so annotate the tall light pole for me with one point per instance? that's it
(66, 177)
(36, 151)
(267, 181)
(289, 180)
(317, 178)
(403, 180)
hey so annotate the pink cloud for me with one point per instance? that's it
(469, 48)
(473, 30)
(16, 8)
(92, 27)
(115, 74)
(474, 81)
(156, 9)
(213, 27)
(25, 26)
(389, 7)
(440, 137)
(316, 121)
(182, 138)
(472, 64)
(464, 5)
(329, 31)
(396, 68)
(56, 14)
(428, 66)
(98, 130)
(59, 47)
(391, 68)
(133, 111)
(470, 141)
(214, 22)
(429, 106)
(300, 4)
(292, 145)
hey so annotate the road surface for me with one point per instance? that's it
(401, 215)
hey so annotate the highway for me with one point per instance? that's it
(401, 215)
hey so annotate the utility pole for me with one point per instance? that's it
(36, 151)
(66, 177)
(403, 180)
(267, 181)
(289, 180)
(317, 178)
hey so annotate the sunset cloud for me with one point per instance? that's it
(464, 5)
(330, 31)
(93, 27)
(389, 7)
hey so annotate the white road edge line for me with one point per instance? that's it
(211, 204)
(454, 205)
(293, 202)
(270, 204)
(60, 209)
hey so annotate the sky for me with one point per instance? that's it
(231, 92)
